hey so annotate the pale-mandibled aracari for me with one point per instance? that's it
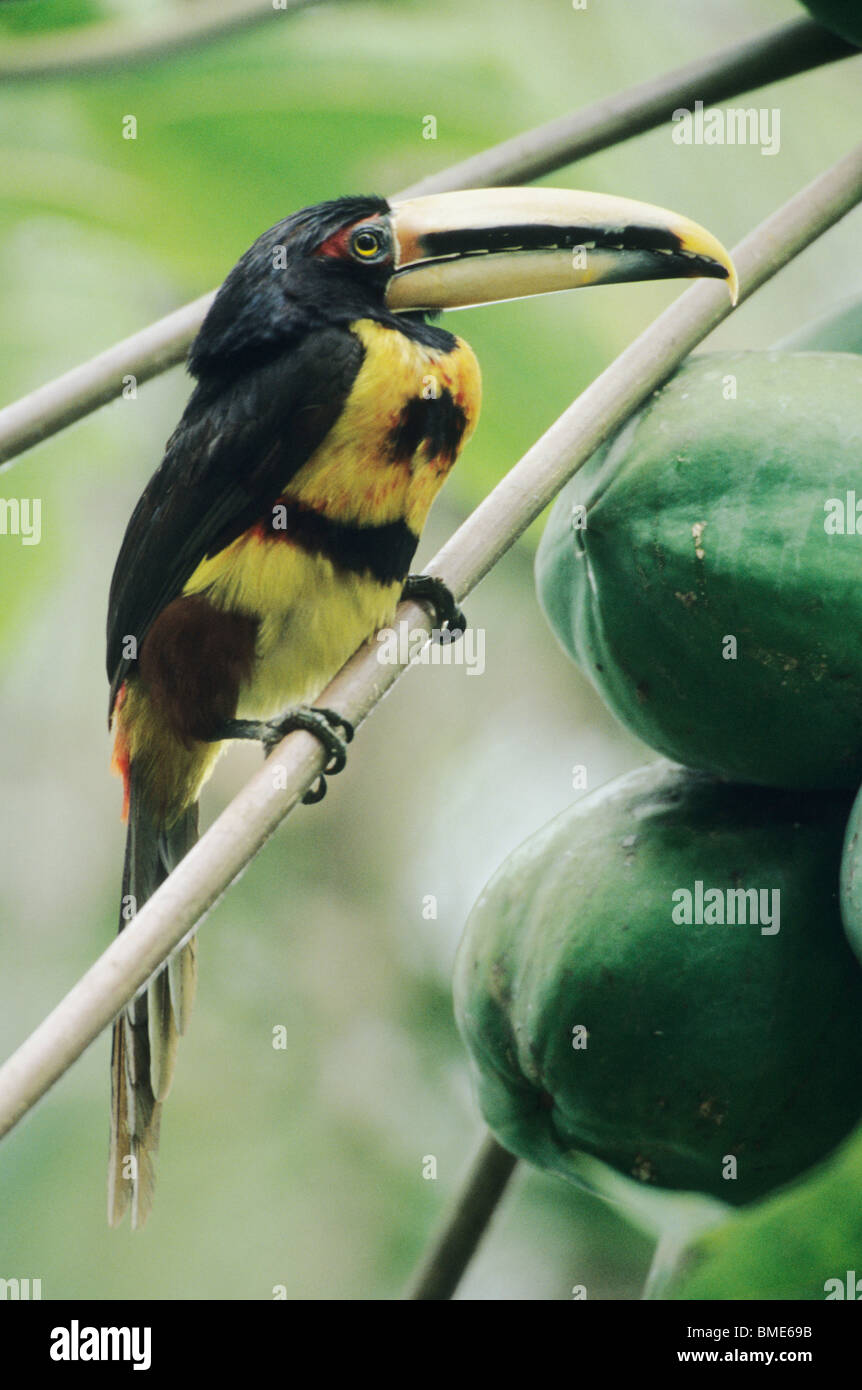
(276, 535)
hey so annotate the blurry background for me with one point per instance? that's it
(303, 1167)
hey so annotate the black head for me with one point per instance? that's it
(325, 264)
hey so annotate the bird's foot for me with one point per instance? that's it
(427, 588)
(333, 730)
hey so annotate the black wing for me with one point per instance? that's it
(236, 447)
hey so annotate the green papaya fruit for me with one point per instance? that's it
(851, 880)
(598, 1020)
(803, 1243)
(704, 568)
(838, 331)
(843, 17)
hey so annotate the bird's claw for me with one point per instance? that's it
(331, 728)
(427, 588)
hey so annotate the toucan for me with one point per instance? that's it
(276, 535)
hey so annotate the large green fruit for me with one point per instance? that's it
(843, 17)
(703, 1042)
(697, 570)
(838, 331)
(851, 880)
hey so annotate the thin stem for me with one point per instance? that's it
(224, 852)
(443, 1267)
(770, 57)
(115, 43)
(774, 55)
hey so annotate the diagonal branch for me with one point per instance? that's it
(774, 55)
(769, 57)
(226, 849)
(113, 43)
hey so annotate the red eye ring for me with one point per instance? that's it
(367, 242)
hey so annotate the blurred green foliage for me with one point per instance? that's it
(22, 17)
(303, 1166)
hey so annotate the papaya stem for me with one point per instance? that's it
(666, 1255)
(462, 1229)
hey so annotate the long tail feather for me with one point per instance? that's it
(146, 1033)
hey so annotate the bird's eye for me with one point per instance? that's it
(367, 243)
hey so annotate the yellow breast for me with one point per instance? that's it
(353, 473)
(380, 466)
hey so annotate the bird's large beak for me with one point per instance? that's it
(488, 244)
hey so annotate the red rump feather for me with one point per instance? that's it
(120, 757)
